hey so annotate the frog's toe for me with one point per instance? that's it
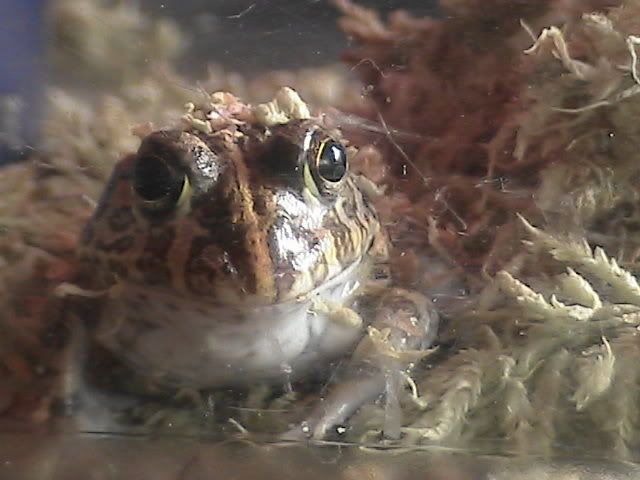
(330, 417)
(93, 411)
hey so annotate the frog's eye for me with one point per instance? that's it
(326, 164)
(331, 161)
(158, 185)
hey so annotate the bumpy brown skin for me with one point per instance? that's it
(250, 231)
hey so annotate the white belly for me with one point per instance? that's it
(196, 345)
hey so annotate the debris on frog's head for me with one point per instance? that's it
(215, 112)
(223, 109)
(285, 106)
(141, 130)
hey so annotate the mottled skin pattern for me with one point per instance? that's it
(250, 232)
(232, 257)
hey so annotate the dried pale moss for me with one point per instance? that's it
(109, 42)
(544, 125)
(537, 371)
(583, 114)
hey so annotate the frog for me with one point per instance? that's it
(240, 248)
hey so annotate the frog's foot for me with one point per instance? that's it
(336, 312)
(89, 409)
(404, 328)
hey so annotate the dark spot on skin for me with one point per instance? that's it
(284, 282)
(154, 270)
(625, 209)
(120, 219)
(370, 216)
(349, 208)
(119, 245)
(339, 231)
(260, 205)
(208, 263)
(101, 273)
(159, 241)
(135, 304)
(153, 264)
(87, 234)
(128, 342)
(238, 317)
(172, 307)
(381, 272)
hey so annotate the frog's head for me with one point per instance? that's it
(248, 213)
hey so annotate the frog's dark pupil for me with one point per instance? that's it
(154, 180)
(332, 162)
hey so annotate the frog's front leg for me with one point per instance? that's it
(404, 327)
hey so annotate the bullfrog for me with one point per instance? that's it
(240, 248)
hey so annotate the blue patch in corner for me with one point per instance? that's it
(22, 36)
